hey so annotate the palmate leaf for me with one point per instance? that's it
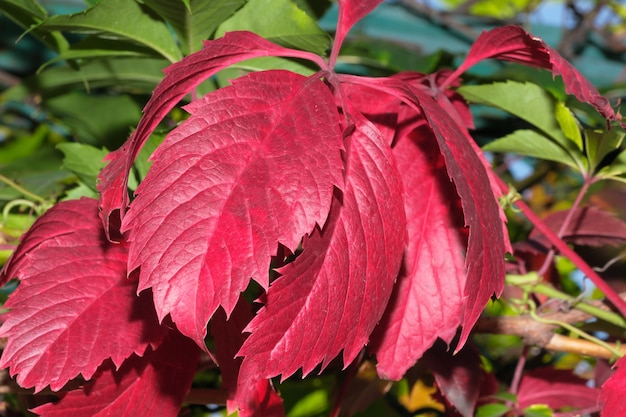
(331, 297)
(180, 79)
(257, 398)
(484, 259)
(74, 307)
(254, 166)
(428, 298)
(512, 43)
(152, 385)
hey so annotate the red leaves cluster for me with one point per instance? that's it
(375, 181)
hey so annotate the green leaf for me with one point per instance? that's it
(29, 14)
(24, 146)
(279, 21)
(194, 20)
(532, 143)
(569, 125)
(527, 101)
(25, 12)
(83, 160)
(121, 19)
(616, 170)
(137, 75)
(39, 173)
(538, 410)
(492, 410)
(102, 119)
(95, 47)
(80, 190)
(600, 143)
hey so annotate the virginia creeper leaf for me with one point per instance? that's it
(179, 80)
(152, 385)
(253, 166)
(512, 43)
(588, 226)
(557, 388)
(484, 258)
(614, 392)
(459, 376)
(74, 307)
(255, 397)
(428, 296)
(350, 12)
(331, 297)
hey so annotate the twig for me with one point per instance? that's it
(566, 251)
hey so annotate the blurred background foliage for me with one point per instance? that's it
(74, 76)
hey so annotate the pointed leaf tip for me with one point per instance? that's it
(331, 297)
(255, 165)
(74, 307)
(180, 79)
(512, 43)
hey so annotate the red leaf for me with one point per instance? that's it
(253, 397)
(428, 298)
(459, 376)
(557, 388)
(180, 79)
(614, 392)
(331, 297)
(588, 226)
(153, 385)
(254, 166)
(484, 259)
(512, 43)
(74, 308)
(350, 12)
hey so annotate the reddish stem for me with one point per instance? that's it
(566, 251)
(566, 223)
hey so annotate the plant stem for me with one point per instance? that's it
(566, 223)
(574, 257)
(565, 250)
(519, 371)
(22, 190)
(528, 284)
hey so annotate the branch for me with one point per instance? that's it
(541, 334)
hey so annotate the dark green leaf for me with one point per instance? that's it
(95, 47)
(102, 119)
(194, 20)
(28, 14)
(121, 19)
(134, 74)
